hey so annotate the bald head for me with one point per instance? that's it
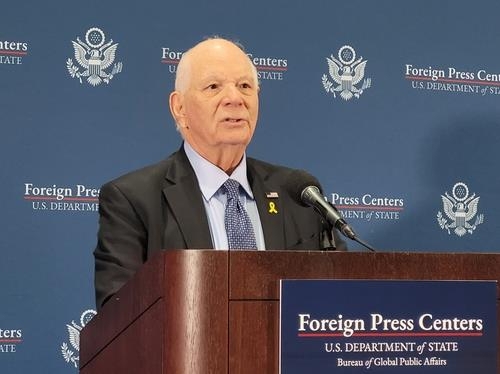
(216, 101)
(212, 46)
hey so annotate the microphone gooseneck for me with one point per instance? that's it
(312, 196)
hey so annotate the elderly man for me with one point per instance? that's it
(208, 194)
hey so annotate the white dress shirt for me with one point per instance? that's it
(210, 179)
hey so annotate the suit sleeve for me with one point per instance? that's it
(121, 243)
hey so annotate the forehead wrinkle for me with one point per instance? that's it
(224, 77)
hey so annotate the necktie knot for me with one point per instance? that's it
(232, 188)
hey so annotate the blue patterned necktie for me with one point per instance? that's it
(240, 234)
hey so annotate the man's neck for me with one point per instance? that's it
(226, 158)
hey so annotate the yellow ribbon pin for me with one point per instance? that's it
(272, 208)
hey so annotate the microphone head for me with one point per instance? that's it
(297, 181)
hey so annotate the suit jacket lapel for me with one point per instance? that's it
(271, 212)
(184, 197)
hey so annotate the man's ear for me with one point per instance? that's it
(176, 102)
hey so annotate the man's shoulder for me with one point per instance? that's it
(267, 168)
(146, 173)
(147, 177)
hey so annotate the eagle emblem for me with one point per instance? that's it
(74, 329)
(94, 56)
(346, 73)
(460, 208)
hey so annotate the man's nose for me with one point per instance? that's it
(232, 95)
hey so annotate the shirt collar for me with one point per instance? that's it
(211, 178)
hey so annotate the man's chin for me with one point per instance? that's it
(234, 143)
(236, 137)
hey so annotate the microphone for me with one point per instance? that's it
(305, 190)
(312, 196)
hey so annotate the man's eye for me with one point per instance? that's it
(245, 85)
(212, 86)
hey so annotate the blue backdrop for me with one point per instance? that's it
(401, 126)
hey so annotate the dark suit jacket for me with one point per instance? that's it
(161, 207)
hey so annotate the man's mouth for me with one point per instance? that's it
(233, 120)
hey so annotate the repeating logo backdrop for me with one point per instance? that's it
(393, 106)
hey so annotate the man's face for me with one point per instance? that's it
(220, 104)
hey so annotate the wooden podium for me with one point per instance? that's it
(206, 311)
